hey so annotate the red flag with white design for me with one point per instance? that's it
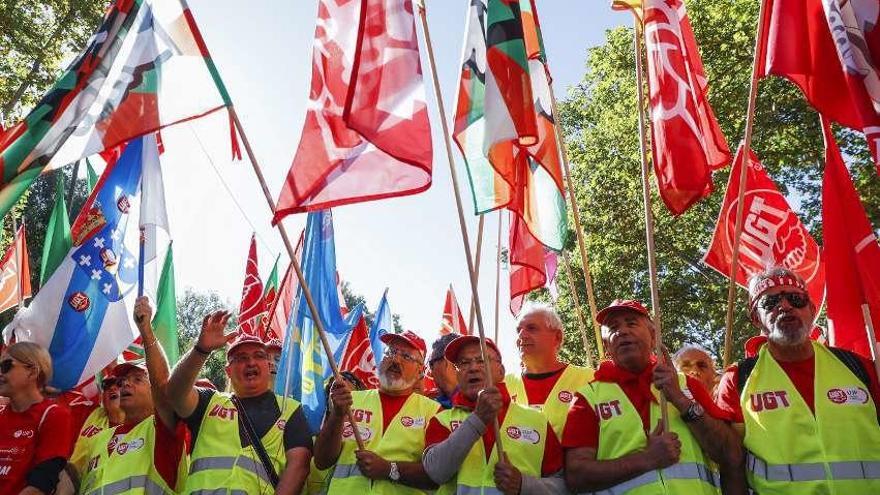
(852, 256)
(686, 141)
(366, 135)
(453, 320)
(358, 356)
(15, 272)
(252, 304)
(532, 265)
(772, 235)
(838, 73)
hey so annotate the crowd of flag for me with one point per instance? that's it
(367, 136)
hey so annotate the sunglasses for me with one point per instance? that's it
(6, 365)
(796, 299)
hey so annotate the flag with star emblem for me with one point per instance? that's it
(82, 314)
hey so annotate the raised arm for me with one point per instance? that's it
(181, 391)
(157, 363)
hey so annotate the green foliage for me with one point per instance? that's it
(352, 299)
(192, 308)
(600, 121)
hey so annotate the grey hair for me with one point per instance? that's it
(692, 347)
(550, 316)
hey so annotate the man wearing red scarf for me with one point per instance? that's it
(614, 438)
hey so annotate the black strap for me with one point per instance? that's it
(255, 441)
(849, 359)
(743, 371)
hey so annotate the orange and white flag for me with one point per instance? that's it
(15, 273)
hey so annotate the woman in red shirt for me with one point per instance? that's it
(34, 430)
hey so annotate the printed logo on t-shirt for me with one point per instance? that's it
(768, 401)
(23, 434)
(453, 425)
(523, 434)
(848, 395)
(608, 410)
(4, 470)
(226, 413)
(348, 432)
(126, 447)
(565, 396)
(410, 422)
(90, 431)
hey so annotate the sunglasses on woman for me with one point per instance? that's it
(6, 365)
(796, 299)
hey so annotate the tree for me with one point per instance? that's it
(600, 121)
(191, 310)
(352, 299)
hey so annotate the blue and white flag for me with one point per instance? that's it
(382, 324)
(304, 368)
(82, 315)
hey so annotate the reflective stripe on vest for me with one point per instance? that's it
(346, 471)
(476, 490)
(845, 470)
(219, 491)
(149, 486)
(244, 462)
(688, 471)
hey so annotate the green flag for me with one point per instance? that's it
(92, 176)
(165, 320)
(57, 242)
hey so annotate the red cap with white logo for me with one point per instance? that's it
(409, 337)
(622, 304)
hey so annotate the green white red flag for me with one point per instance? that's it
(15, 273)
(147, 67)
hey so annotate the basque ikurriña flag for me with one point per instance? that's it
(366, 135)
(147, 67)
(82, 315)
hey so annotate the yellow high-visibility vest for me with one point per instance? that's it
(220, 463)
(621, 432)
(561, 397)
(97, 422)
(403, 441)
(791, 450)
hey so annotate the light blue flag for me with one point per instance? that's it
(382, 324)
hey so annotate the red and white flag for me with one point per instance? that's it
(532, 265)
(15, 273)
(250, 313)
(852, 256)
(453, 320)
(772, 235)
(831, 50)
(358, 356)
(282, 308)
(366, 135)
(686, 140)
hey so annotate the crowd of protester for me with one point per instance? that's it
(795, 416)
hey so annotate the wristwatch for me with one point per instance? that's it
(694, 412)
(394, 475)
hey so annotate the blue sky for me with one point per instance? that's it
(411, 245)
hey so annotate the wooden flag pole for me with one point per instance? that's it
(872, 336)
(19, 297)
(575, 213)
(477, 268)
(307, 293)
(458, 202)
(746, 152)
(577, 306)
(649, 215)
(498, 277)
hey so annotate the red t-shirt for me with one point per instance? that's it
(538, 387)
(168, 447)
(39, 434)
(801, 374)
(391, 405)
(552, 461)
(80, 408)
(582, 425)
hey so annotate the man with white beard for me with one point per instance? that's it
(807, 412)
(391, 421)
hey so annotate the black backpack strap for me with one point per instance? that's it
(743, 371)
(256, 443)
(854, 364)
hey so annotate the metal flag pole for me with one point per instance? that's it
(649, 216)
(746, 152)
(458, 202)
(498, 277)
(577, 306)
(477, 267)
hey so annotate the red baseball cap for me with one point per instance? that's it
(454, 347)
(409, 337)
(622, 304)
(273, 344)
(123, 369)
(243, 339)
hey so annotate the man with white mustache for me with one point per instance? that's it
(807, 412)
(391, 421)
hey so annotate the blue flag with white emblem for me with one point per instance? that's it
(82, 315)
(304, 368)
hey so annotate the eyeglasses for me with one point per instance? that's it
(391, 352)
(7, 364)
(467, 363)
(796, 299)
(244, 358)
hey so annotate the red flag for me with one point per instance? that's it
(852, 255)
(773, 235)
(531, 264)
(15, 272)
(453, 321)
(358, 356)
(366, 135)
(252, 304)
(280, 311)
(838, 73)
(686, 140)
